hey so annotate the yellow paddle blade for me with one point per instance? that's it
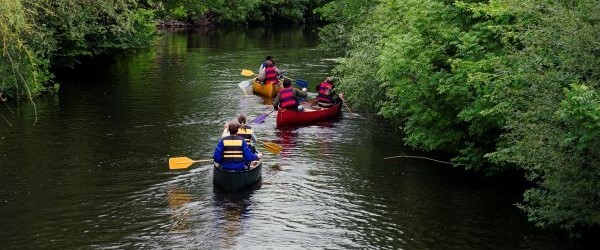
(272, 147)
(183, 162)
(180, 163)
(247, 72)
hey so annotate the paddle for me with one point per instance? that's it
(272, 147)
(301, 83)
(344, 102)
(245, 84)
(247, 72)
(261, 118)
(183, 162)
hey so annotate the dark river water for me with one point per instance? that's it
(92, 171)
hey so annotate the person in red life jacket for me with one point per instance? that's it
(287, 98)
(325, 94)
(232, 152)
(270, 74)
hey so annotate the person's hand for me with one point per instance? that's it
(260, 155)
(341, 95)
(226, 126)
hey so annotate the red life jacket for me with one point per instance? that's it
(271, 76)
(287, 99)
(325, 95)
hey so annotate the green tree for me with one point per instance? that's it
(552, 113)
(38, 33)
(226, 12)
(23, 61)
(500, 84)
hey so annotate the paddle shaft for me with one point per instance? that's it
(344, 102)
(205, 160)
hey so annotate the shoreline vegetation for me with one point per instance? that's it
(502, 85)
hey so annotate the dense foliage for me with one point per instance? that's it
(39, 33)
(500, 83)
(237, 12)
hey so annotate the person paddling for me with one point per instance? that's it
(232, 152)
(270, 74)
(326, 97)
(287, 98)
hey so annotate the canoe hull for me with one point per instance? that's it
(233, 181)
(289, 117)
(266, 90)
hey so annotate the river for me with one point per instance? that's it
(88, 167)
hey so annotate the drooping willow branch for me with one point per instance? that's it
(8, 33)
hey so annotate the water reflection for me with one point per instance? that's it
(233, 209)
(286, 137)
(180, 217)
(267, 101)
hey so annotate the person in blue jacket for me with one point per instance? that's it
(232, 152)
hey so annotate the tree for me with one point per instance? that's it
(500, 84)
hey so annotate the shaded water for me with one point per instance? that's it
(92, 172)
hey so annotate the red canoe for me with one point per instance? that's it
(310, 115)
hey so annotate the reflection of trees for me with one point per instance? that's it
(267, 100)
(232, 223)
(177, 200)
(234, 208)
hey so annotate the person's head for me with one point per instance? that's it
(269, 63)
(329, 79)
(287, 83)
(270, 58)
(241, 119)
(233, 128)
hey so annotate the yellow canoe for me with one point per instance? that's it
(266, 90)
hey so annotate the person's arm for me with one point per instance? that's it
(276, 102)
(218, 154)
(300, 93)
(254, 137)
(280, 74)
(261, 75)
(225, 131)
(248, 155)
